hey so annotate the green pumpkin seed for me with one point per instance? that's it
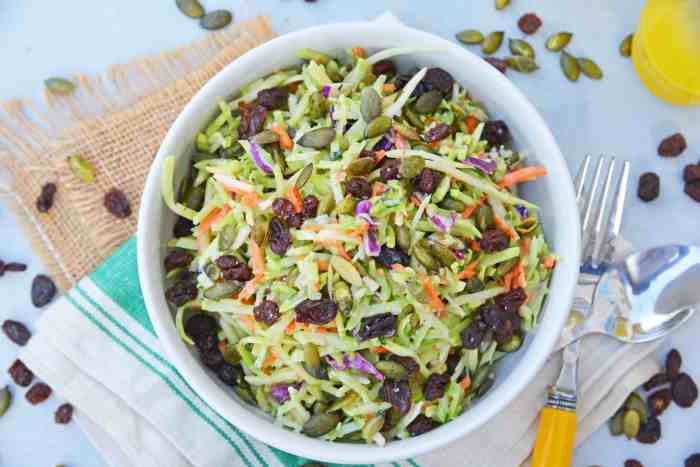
(443, 254)
(320, 424)
(411, 166)
(318, 138)
(521, 47)
(492, 42)
(260, 231)
(522, 63)
(312, 359)
(191, 8)
(361, 166)
(428, 102)
(391, 369)
(212, 271)
(635, 402)
(194, 198)
(304, 176)
(413, 119)
(626, 45)
(222, 289)
(589, 68)
(630, 424)
(406, 131)
(370, 104)
(313, 55)
(59, 85)
(473, 285)
(450, 204)
(403, 237)
(346, 270)
(81, 168)
(558, 41)
(527, 226)
(343, 297)
(470, 37)
(346, 206)
(266, 137)
(216, 19)
(5, 400)
(346, 401)
(484, 217)
(227, 237)
(569, 66)
(231, 355)
(615, 424)
(378, 126)
(424, 257)
(512, 345)
(501, 4)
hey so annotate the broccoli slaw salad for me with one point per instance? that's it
(351, 255)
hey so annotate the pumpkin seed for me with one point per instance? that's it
(361, 166)
(470, 37)
(501, 4)
(473, 285)
(452, 205)
(522, 63)
(413, 119)
(227, 236)
(403, 237)
(569, 66)
(191, 8)
(346, 206)
(266, 137)
(626, 45)
(521, 47)
(428, 102)
(406, 131)
(59, 85)
(231, 355)
(320, 424)
(346, 270)
(313, 55)
(411, 166)
(343, 297)
(212, 271)
(484, 217)
(512, 345)
(635, 402)
(424, 257)
(81, 168)
(492, 42)
(5, 400)
(260, 231)
(378, 126)
(318, 138)
(615, 424)
(527, 226)
(194, 198)
(312, 359)
(370, 104)
(558, 41)
(392, 370)
(589, 68)
(443, 254)
(630, 424)
(222, 289)
(304, 176)
(346, 401)
(216, 19)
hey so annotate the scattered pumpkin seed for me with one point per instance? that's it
(360, 166)
(304, 176)
(522, 64)
(589, 68)
(521, 47)
(391, 369)
(312, 359)
(346, 206)
(266, 137)
(492, 42)
(318, 138)
(501, 4)
(487, 384)
(635, 402)
(441, 190)
(558, 41)
(428, 102)
(346, 401)
(411, 166)
(227, 237)
(222, 290)
(216, 19)
(370, 104)
(569, 66)
(260, 231)
(378, 126)
(343, 297)
(194, 197)
(81, 168)
(527, 226)
(630, 424)
(346, 270)
(313, 55)
(5, 400)
(191, 8)
(615, 424)
(424, 257)
(443, 254)
(59, 85)
(320, 424)
(406, 131)
(470, 37)
(512, 345)
(413, 119)
(403, 237)
(626, 45)
(212, 271)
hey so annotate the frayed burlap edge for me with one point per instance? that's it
(117, 123)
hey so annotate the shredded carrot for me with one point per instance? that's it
(415, 201)
(466, 383)
(212, 218)
(524, 246)
(515, 277)
(469, 210)
(341, 251)
(258, 259)
(293, 326)
(379, 349)
(432, 295)
(505, 228)
(247, 291)
(474, 246)
(525, 174)
(248, 321)
(377, 188)
(379, 155)
(471, 123)
(222, 346)
(294, 196)
(548, 262)
(358, 52)
(285, 141)
(398, 267)
(469, 271)
(322, 265)
(389, 88)
(250, 199)
(270, 359)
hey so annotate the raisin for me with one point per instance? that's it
(438, 79)
(529, 23)
(649, 186)
(359, 187)
(659, 401)
(117, 203)
(177, 259)
(181, 292)
(205, 342)
(266, 312)
(673, 364)
(649, 431)
(401, 80)
(427, 181)
(692, 189)
(63, 414)
(435, 386)
(282, 207)
(384, 67)
(496, 133)
(493, 240)
(472, 335)
(252, 119)
(16, 331)
(295, 220)
(421, 424)
(655, 381)
(38, 393)
(684, 391)
(15, 267)
(672, 146)
(241, 272)
(691, 173)
(511, 300)
(199, 325)
(382, 325)
(43, 290)
(497, 63)
(21, 375)
(389, 256)
(437, 133)
(211, 358)
(309, 206)
(273, 98)
(633, 463)
(231, 375)
(452, 362)
(693, 461)
(321, 311)
(398, 394)
(279, 238)
(44, 201)
(227, 262)
(407, 362)
(182, 228)
(390, 170)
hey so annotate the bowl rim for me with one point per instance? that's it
(557, 304)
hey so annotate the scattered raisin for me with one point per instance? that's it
(673, 364)
(181, 292)
(692, 189)
(359, 187)
(231, 375)
(497, 63)
(672, 146)
(421, 424)
(206, 342)
(252, 119)
(266, 312)
(199, 325)
(684, 390)
(211, 358)
(273, 98)
(63, 414)
(282, 207)
(321, 311)
(435, 386)
(117, 203)
(529, 23)
(309, 206)
(496, 133)
(21, 375)
(437, 133)
(693, 461)
(472, 335)
(384, 67)
(389, 256)
(279, 238)
(382, 325)
(655, 381)
(15, 267)
(511, 300)
(452, 362)
(649, 186)
(38, 393)
(44, 201)
(649, 431)
(390, 170)
(659, 401)
(493, 240)
(16, 331)
(183, 227)
(438, 79)
(633, 463)
(43, 290)
(240, 272)
(427, 181)
(295, 220)
(227, 262)
(398, 394)
(177, 259)
(691, 173)
(407, 362)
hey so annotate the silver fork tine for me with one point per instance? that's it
(600, 216)
(581, 179)
(591, 196)
(615, 217)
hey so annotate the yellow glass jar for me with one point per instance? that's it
(666, 50)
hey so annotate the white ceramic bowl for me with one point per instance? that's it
(554, 194)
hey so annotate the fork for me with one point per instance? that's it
(555, 438)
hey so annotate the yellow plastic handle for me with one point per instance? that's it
(555, 438)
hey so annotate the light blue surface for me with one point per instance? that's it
(615, 116)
